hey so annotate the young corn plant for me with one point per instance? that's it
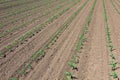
(29, 66)
(1, 35)
(114, 65)
(111, 47)
(8, 47)
(81, 42)
(69, 76)
(79, 0)
(22, 71)
(14, 43)
(40, 53)
(1, 54)
(114, 75)
(13, 79)
(75, 59)
(112, 55)
(22, 38)
(73, 65)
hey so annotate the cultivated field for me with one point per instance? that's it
(59, 39)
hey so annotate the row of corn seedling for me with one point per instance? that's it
(113, 60)
(15, 12)
(73, 64)
(31, 33)
(114, 6)
(38, 55)
(37, 10)
(9, 31)
(25, 15)
(7, 3)
(82, 39)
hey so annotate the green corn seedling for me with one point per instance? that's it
(7, 31)
(22, 38)
(112, 55)
(35, 56)
(79, 0)
(22, 71)
(40, 52)
(13, 79)
(1, 54)
(72, 65)
(68, 76)
(14, 43)
(115, 75)
(114, 65)
(8, 47)
(1, 35)
(29, 66)
(111, 47)
(75, 59)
